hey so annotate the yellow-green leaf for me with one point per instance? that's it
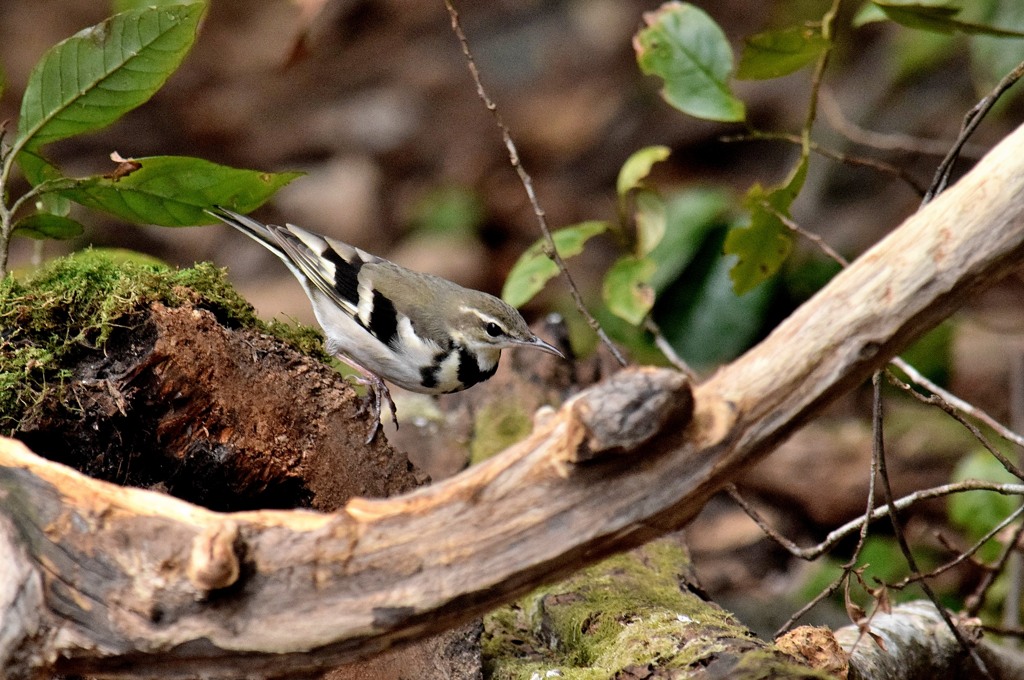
(534, 268)
(777, 53)
(650, 222)
(638, 166)
(627, 290)
(765, 243)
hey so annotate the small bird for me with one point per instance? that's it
(418, 331)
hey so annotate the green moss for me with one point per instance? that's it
(75, 303)
(627, 610)
(497, 426)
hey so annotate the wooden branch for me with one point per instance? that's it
(108, 581)
(914, 642)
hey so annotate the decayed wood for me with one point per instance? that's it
(104, 571)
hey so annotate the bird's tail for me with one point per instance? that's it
(255, 230)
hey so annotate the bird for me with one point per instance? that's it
(415, 330)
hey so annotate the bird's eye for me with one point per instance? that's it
(494, 330)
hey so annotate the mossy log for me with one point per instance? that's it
(636, 615)
(105, 579)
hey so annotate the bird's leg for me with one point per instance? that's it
(376, 391)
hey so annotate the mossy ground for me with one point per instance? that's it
(73, 305)
(628, 611)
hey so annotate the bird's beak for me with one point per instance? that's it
(543, 346)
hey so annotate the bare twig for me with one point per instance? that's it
(897, 527)
(666, 349)
(527, 182)
(810, 236)
(840, 533)
(884, 141)
(848, 567)
(936, 400)
(839, 156)
(956, 402)
(963, 555)
(970, 124)
(974, 602)
(1015, 563)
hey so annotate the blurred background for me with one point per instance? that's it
(373, 100)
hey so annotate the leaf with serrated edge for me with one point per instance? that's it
(534, 268)
(764, 244)
(173, 191)
(96, 76)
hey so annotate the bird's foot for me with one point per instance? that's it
(376, 391)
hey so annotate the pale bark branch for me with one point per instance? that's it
(110, 581)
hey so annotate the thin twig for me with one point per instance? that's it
(668, 351)
(970, 124)
(1002, 630)
(810, 236)
(956, 402)
(838, 156)
(884, 141)
(976, 600)
(936, 400)
(836, 535)
(527, 182)
(1015, 563)
(897, 526)
(964, 555)
(850, 564)
(819, 71)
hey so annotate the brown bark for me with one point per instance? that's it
(101, 574)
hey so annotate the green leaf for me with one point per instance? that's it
(37, 170)
(626, 289)
(938, 17)
(778, 53)
(126, 5)
(700, 314)
(869, 13)
(763, 245)
(994, 57)
(690, 216)
(978, 511)
(650, 222)
(686, 48)
(94, 77)
(638, 166)
(534, 268)
(173, 191)
(45, 225)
